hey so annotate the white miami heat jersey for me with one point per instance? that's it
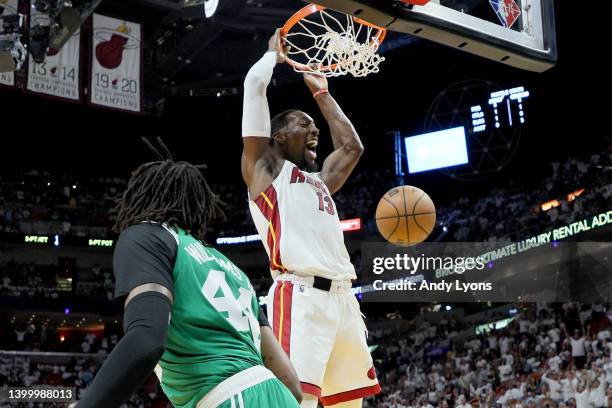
(299, 226)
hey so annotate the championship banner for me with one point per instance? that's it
(116, 68)
(59, 74)
(8, 7)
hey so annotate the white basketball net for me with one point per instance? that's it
(344, 49)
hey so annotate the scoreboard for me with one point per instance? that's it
(503, 109)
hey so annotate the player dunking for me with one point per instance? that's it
(190, 313)
(313, 313)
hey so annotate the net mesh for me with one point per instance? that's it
(321, 44)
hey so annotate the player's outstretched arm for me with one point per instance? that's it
(132, 361)
(256, 113)
(276, 360)
(143, 261)
(338, 166)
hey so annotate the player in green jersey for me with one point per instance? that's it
(190, 315)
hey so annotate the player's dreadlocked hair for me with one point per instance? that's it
(169, 192)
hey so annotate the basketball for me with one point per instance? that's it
(405, 215)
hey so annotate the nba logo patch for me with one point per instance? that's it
(508, 11)
(301, 288)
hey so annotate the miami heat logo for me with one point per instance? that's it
(507, 11)
(109, 52)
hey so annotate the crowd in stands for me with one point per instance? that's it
(97, 283)
(555, 355)
(27, 280)
(76, 372)
(45, 203)
(30, 280)
(43, 335)
(36, 202)
(551, 355)
(513, 213)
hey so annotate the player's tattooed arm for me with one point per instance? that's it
(276, 360)
(348, 148)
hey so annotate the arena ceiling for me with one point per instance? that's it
(183, 51)
(186, 54)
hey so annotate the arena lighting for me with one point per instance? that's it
(550, 204)
(436, 150)
(572, 196)
(210, 6)
(353, 224)
(555, 203)
(238, 240)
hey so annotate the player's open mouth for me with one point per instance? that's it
(311, 149)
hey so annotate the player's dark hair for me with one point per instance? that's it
(280, 121)
(165, 191)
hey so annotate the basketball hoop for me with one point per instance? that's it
(321, 44)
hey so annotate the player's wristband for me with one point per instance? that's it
(319, 92)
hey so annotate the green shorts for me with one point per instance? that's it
(269, 394)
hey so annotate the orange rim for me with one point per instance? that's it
(311, 9)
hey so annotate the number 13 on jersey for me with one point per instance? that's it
(325, 203)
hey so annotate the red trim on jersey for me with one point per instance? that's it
(311, 389)
(267, 202)
(285, 334)
(277, 306)
(350, 395)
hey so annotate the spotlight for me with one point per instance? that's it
(210, 6)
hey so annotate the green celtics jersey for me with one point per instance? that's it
(214, 328)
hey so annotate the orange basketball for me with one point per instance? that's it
(405, 215)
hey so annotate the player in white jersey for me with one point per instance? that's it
(313, 313)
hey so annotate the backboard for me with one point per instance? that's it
(520, 33)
